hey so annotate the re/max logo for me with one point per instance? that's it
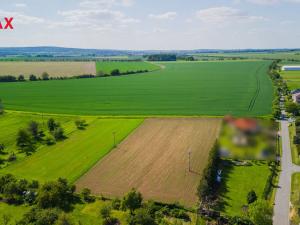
(7, 23)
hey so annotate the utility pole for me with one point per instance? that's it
(114, 134)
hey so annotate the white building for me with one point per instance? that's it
(291, 68)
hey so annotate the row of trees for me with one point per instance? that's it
(162, 57)
(296, 138)
(50, 202)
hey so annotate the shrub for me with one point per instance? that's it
(116, 204)
(86, 195)
(296, 140)
(251, 197)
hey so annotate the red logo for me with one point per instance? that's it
(7, 23)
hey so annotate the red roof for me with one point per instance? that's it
(245, 124)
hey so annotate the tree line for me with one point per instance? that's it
(51, 202)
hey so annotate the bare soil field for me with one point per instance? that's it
(154, 160)
(55, 69)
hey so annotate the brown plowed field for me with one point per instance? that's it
(54, 69)
(154, 160)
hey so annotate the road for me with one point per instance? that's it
(282, 198)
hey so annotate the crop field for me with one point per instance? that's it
(154, 159)
(106, 66)
(292, 78)
(54, 69)
(72, 157)
(182, 88)
(285, 56)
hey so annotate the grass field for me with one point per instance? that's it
(295, 196)
(55, 69)
(295, 156)
(292, 78)
(182, 88)
(285, 56)
(107, 67)
(154, 159)
(238, 182)
(74, 156)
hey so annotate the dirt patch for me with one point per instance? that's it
(154, 160)
(54, 69)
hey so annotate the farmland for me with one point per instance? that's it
(64, 159)
(107, 66)
(292, 78)
(182, 88)
(54, 69)
(154, 159)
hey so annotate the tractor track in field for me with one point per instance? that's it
(253, 100)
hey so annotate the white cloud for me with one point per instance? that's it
(96, 19)
(267, 2)
(20, 5)
(20, 18)
(164, 16)
(95, 4)
(225, 14)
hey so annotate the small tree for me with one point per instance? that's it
(115, 72)
(260, 213)
(24, 141)
(63, 219)
(58, 134)
(32, 77)
(52, 125)
(21, 78)
(133, 200)
(45, 76)
(80, 124)
(251, 197)
(33, 128)
(86, 195)
(141, 217)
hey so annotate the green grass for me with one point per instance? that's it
(295, 197)
(107, 66)
(238, 182)
(295, 156)
(14, 212)
(182, 88)
(292, 78)
(72, 157)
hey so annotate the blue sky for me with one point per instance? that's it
(155, 24)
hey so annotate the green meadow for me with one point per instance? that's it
(292, 78)
(180, 88)
(107, 66)
(238, 182)
(69, 158)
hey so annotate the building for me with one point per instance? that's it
(296, 97)
(290, 68)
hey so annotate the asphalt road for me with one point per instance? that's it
(282, 198)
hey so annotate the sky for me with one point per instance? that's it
(152, 24)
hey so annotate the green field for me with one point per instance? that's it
(182, 88)
(292, 78)
(72, 157)
(295, 196)
(285, 56)
(107, 66)
(238, 182)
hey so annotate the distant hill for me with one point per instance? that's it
(75, 52)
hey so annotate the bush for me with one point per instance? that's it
(12, 157)
(86, 195)
(80, 124)
(296, 140)
(58, 134)
(38, 216)
(251, 197)
(116, 204)
(115, 72)
(180, 214)
(49, 141)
